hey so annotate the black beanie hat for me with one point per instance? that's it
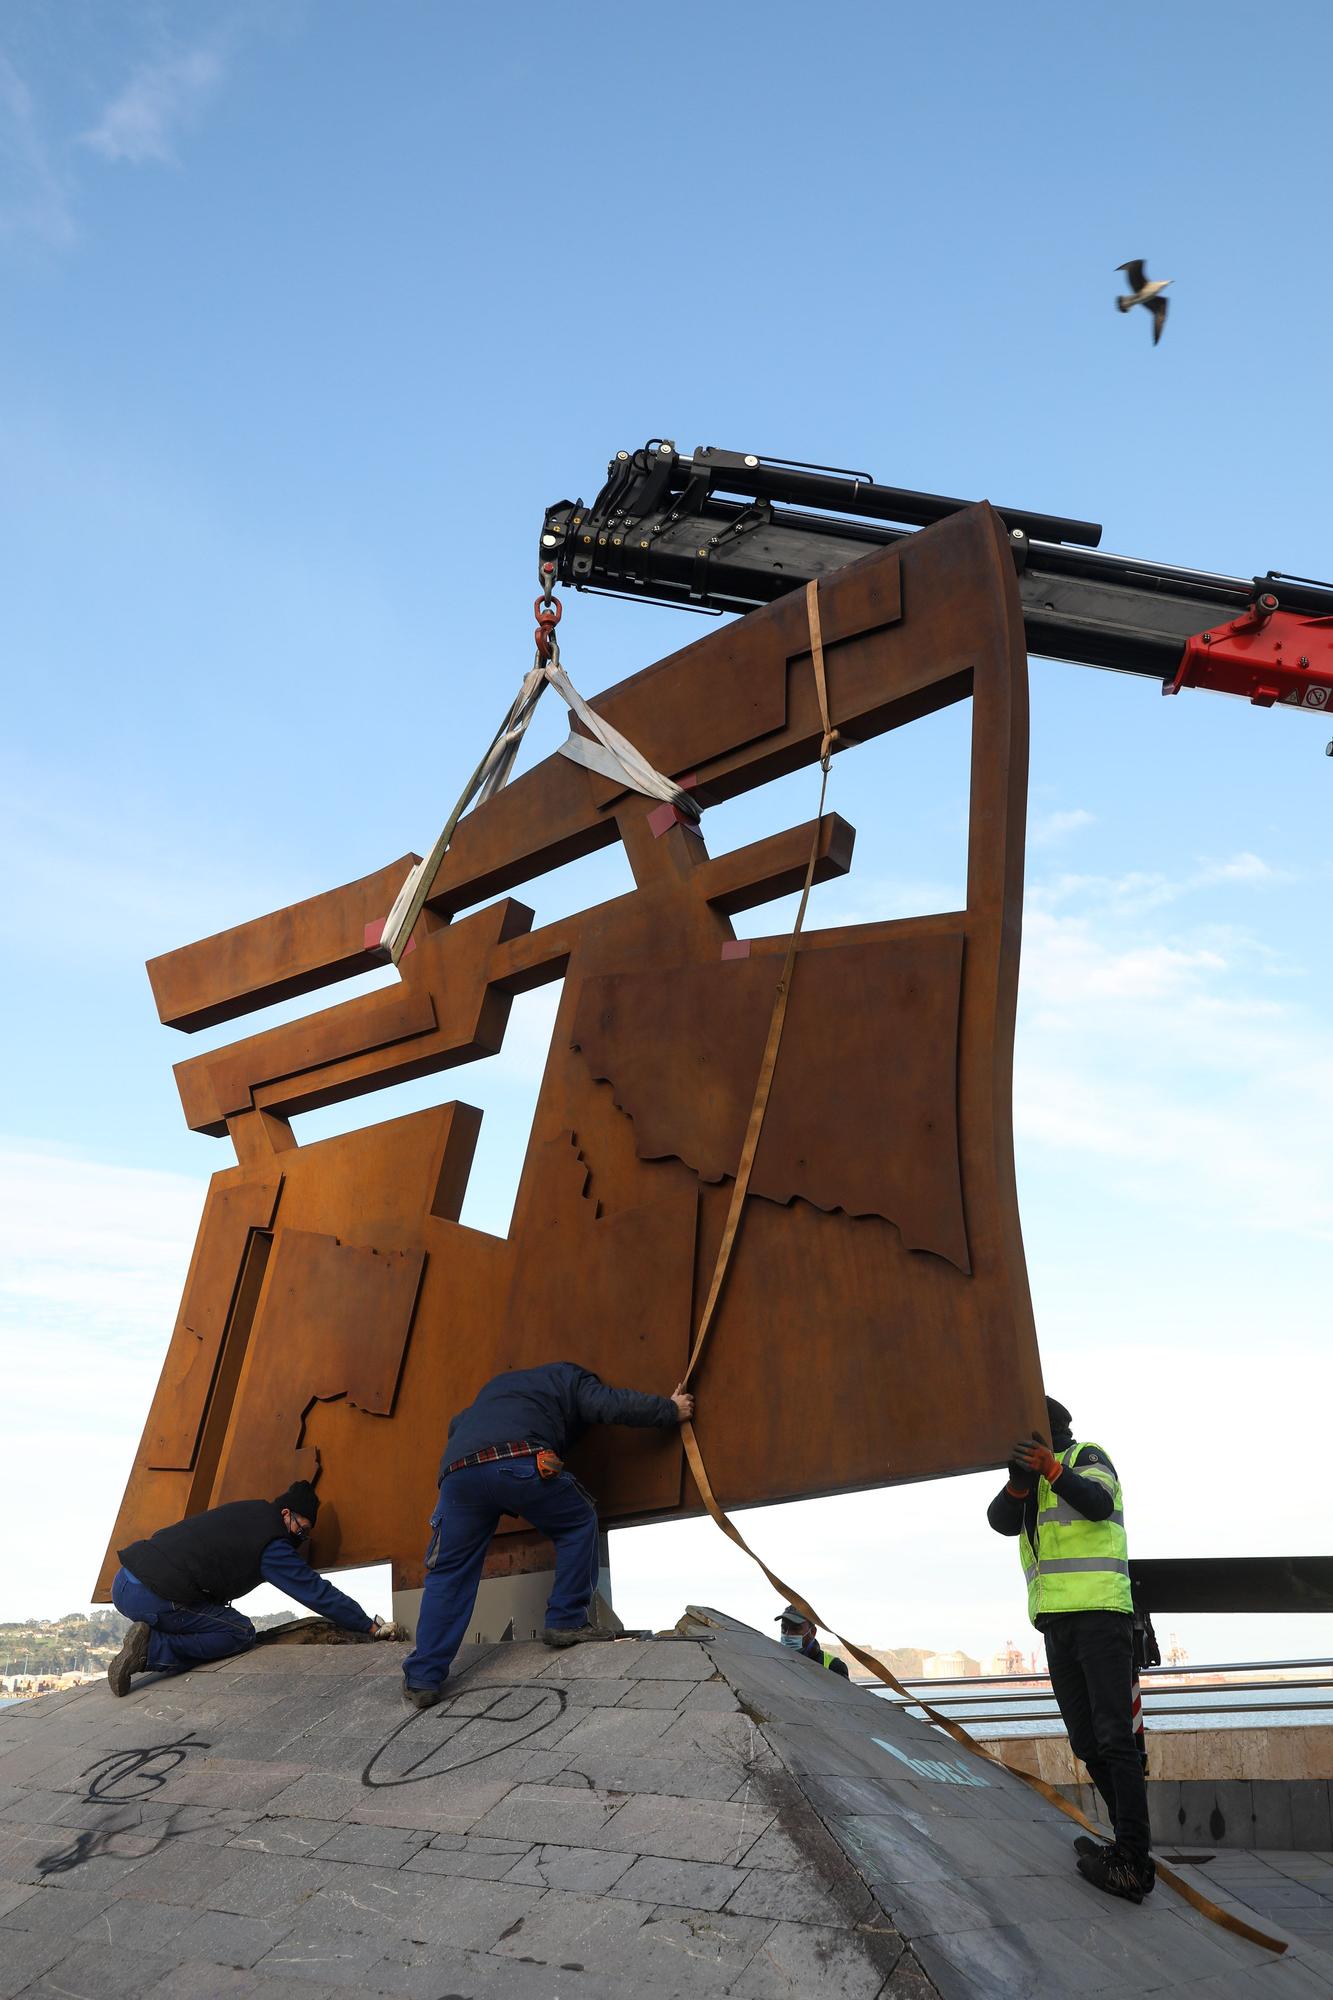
(1058, 1417)
(300, 1498)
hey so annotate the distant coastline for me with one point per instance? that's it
(48, 1655)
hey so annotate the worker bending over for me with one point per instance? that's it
(798, 1631)
(177, 1586)
(505, 1455)
(1065, 1507)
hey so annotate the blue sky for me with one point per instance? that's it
(309, 313)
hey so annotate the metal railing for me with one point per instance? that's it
(978, 1699)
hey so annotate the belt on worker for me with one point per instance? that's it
(549, 1463)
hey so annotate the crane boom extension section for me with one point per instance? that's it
(726, 531)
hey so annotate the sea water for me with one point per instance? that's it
(1278, 1706)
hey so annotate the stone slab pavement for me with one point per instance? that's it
(693, 1815)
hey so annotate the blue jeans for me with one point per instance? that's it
(181, 1635)
(466, 1516)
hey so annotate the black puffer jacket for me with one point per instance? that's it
(552, 1405)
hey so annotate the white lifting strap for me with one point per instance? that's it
(603, 750)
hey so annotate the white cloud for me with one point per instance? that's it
(1056, 825)
(141, 122)
(93, 1258)
(1241, 868)
(1252, 1163)
(36, 200)
(1138, 891)
(74, 1229)
(1066, 963)
(1151, 1052)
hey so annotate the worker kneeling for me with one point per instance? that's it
(505, 1455)
(1065, 1507)
(177, 1586)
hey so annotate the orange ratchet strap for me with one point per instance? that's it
(730, 1233)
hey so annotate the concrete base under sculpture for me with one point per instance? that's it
(514, 1605)
(699, 1815)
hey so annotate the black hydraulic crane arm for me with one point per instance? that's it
(726, 531)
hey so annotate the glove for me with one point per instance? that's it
(1020, 1479)
(1035, 1457)
(381, 1630)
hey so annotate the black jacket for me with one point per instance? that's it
(552, 1405)
(208, 1558)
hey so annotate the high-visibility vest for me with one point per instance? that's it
(821, 1654)
(1077, 1564)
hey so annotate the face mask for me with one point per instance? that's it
(790, 1639)
(296, 1536)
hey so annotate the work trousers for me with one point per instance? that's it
(181, 1635)
(1091, 1658)
(466, 1516)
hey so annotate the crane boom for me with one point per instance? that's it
(726, 531)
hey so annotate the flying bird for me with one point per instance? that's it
(1147, 292)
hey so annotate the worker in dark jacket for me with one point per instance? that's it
(505, 1455)
(177, 1586)
(1063, 1502)
(798, 1631)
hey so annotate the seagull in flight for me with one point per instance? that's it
(1146, 292)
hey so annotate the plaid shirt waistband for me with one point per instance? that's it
(517, 1448)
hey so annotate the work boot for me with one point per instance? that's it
(1118, 1874)
(422, 1697)
(573, 1635)
(1085, 1844)
(131, 1659)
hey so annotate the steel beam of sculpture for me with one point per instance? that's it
(336, 1311)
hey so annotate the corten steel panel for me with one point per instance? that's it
(445, 1012)
(870, 1046)
(857, 1362)
(387, 1189)
(700, 710)
(379, 1473)
(292, 951)
(879, 675)
(379, 1191)
(876, 1324)
(233, 1209)
(239, 1202)
(628, 1274)
(776, 867)
(333, 1321)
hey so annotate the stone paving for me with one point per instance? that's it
(698, 1815)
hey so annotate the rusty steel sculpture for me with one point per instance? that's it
(336, 1311)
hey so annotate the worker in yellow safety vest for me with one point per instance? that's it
(798, 1631)
(1064, 1504)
